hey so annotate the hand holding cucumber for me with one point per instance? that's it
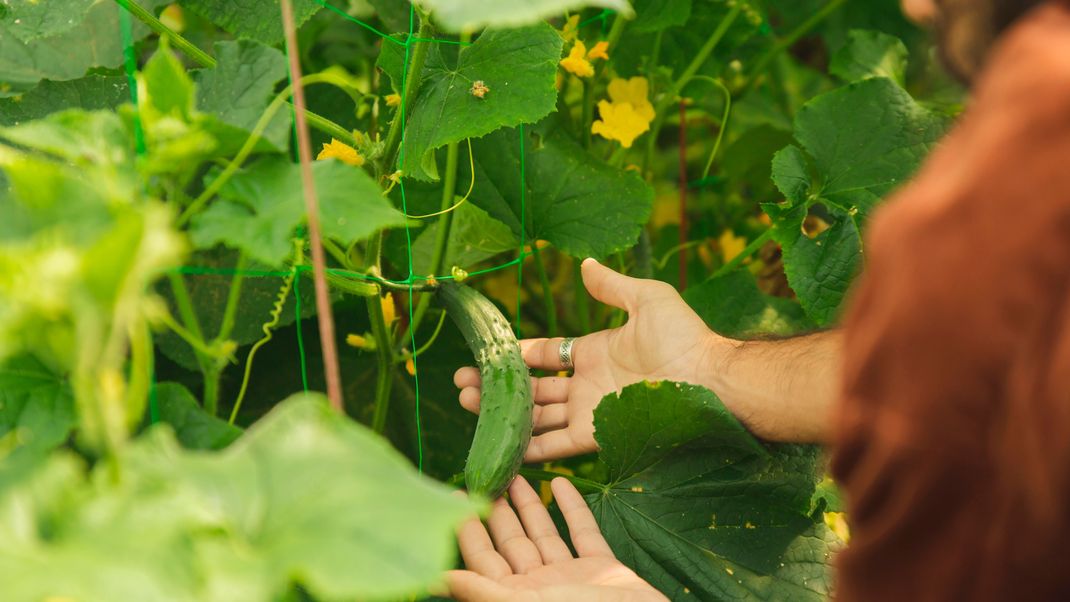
(663, 339)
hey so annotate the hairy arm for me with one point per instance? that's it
(782, 389)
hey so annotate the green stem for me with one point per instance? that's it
(587, 115)
(199, 56)
(786, 42)
(699, 59)
(547, 293)
(434, 336)
(745, 253)
(384, 376)
(199, 347)
(410, 87)
(203, 59)
(211, 389)
(230, 311)
(724, 119)
(584, 485)
(583, 301)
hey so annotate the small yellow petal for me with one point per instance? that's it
(393, 100)
(337, 149)
(575, 64)
(599, 51)
(731, 245)
(355, 340)
(387, 303)
(410, 367)
(633, 91)
(174, 18)
(620, 122)
(571, 28)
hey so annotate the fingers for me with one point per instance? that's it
(546, 390)
(478, 551)
(468, 586)
(511, 540)
(586, 536)
(616, 289)
(537, 523)
(557, 444)
(545, 354)
(467, 376)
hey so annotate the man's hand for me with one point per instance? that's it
(662, 340)
(524, 559)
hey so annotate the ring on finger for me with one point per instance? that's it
(564, 353)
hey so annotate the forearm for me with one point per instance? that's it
(782, 390)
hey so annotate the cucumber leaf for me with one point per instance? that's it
(733, 306)
(36, 406)
(261, 207)
(583, 206)
(518, 66)
(90, 93)
(258, 20)
(273, 510)
(869, 53)
(194, 428)
(474, 236)
(701, 509)
(846, 168)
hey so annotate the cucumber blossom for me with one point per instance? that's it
(506, 400)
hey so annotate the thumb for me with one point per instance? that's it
(612, 287)
(469, 586)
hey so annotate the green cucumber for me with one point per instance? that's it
(506, 400)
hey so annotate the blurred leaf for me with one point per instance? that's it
(241, 85)
(733, 306)
(462, 15)
(583, 206)
(519, 66)
(258, 20)
(474, 236)
(654, 15)
(36, 407)
(701, 509)
(90, 93)
(28, 20)
(260, 207)
(194, 428)
(870, 54)
(274, 509)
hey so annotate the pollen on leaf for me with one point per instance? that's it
(599, 51)
(479, 89)
(336, 149)
(575, 63)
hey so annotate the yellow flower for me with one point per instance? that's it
(173, 18)
(387, 303)
(410, 367)
(633, 91)
(731, 245)
(365, 341)
(393, 100)
(571, 28)
(341, 151)
(575, 63)
(619, 121)
(599, 51)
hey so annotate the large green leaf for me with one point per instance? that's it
(261, 207)
(858, 143)
(474, 236)
(700, 508)
(90, 93)
(28, 20)
(518, 66)
(238, 89)
(870, 54)
(461, 15)
(195, 428)
(73, 40)
(655, 15)
(583, 206)
(733, 306)
(258, 20)
(305, 497)
(36, 407)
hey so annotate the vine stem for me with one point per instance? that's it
(323, 302)
(410, 86)
(203, 59)
(786, 42)
(745, 253)
(547, 292)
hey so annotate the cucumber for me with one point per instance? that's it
(506, 400)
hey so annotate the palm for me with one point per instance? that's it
(662, 340)
(594, 579)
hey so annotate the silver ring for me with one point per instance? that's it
(564, 353)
